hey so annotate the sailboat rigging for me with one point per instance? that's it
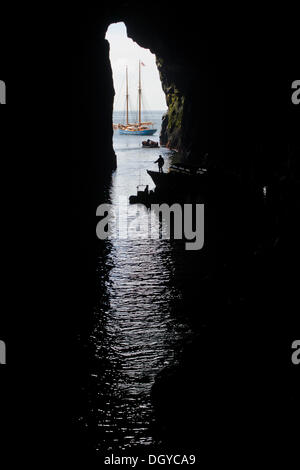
(139, 128)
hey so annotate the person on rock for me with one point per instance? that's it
(161, 163)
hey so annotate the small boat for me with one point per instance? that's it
(142, 196)
(150, 144)
(139, 128)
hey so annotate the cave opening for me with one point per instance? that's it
(138, 95)
(139, 107)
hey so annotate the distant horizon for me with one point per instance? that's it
(136, 110)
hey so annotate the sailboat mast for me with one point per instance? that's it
(140, 92)
(127, 95)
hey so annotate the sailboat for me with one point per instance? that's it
(139, 128)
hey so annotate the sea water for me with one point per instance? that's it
(139, 322)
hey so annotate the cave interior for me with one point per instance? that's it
(226, 92)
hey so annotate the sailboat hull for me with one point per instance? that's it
(136, 132)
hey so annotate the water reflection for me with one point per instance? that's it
(140, 337)
(138, 325)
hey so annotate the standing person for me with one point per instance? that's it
(161, 163)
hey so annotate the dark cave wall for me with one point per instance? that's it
(186, 89)
(93, 157)
(93, 95)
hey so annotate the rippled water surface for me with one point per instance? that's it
(137, 326)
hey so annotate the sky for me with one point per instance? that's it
(124, 51)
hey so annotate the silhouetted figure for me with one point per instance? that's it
(161, 163)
